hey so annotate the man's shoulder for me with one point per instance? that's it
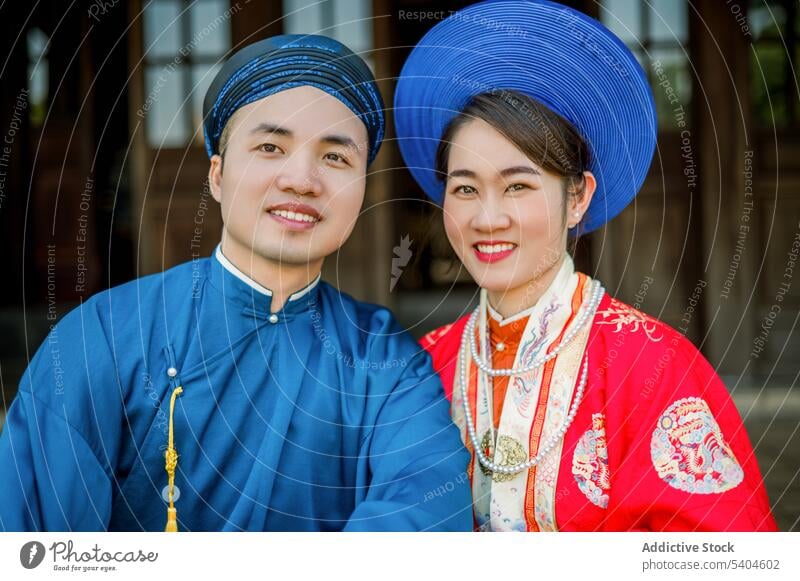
(365, 315)
(102, 330)
(158, 284)
(169, 280)
(120, 303)
(374, 327)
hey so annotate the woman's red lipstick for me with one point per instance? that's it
(493, 250)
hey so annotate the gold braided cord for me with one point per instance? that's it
(171, 462)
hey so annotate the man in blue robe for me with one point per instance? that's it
(239, 392)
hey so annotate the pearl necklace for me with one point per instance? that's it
(556, 437)
(544, 450)
(586, 315)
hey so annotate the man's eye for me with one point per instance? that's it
(335, 157)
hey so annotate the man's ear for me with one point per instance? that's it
(215, 177)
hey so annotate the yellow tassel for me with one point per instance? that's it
(172, 521)
(171, 462)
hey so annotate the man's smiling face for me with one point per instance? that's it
(292, 182)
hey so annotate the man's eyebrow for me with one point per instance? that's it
(270, 128)
(334, 139)
(339, 139)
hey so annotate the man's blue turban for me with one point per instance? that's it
(283, 62)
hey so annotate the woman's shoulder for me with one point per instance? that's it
(616, 317)
(444, 338)
(641, 340)
(442, 345)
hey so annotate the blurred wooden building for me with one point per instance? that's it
(103, 171)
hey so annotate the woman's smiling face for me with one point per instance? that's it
(504, 215)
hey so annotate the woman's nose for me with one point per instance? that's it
(490, 216)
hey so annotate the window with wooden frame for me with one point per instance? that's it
(774, 26)
(658, 34)
(184, 42)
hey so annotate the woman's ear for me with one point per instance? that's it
(215, 177)
(579, 201)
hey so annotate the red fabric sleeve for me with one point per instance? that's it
(682, 460)
(442, 344)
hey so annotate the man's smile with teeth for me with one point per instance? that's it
(298, 216)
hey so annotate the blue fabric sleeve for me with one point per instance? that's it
(51, 479)
(415, 461)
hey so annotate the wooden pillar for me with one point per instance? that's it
(144, 243)
(363, 265)
(63, 207)
(728, 254)
(379, 187)
(15, 162)
(254, 21)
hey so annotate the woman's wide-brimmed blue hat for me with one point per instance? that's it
(560, 57)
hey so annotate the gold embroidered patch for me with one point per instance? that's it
(689, 452)
(620, 314)
(590, 463)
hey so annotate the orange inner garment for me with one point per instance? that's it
(509, 335)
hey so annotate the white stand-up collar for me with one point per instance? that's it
(230, 267)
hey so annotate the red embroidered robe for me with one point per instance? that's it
(656, 444)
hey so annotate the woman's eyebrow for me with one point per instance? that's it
(462, 173)
(509, 171)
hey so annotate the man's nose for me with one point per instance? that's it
(300, 175)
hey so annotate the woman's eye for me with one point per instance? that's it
(469, 190)
(516, 187)
(268, 148)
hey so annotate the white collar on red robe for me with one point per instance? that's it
(559, 285)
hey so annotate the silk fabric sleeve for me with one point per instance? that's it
(685, 463)
(59, 439)
(51, 479)
(415, 461)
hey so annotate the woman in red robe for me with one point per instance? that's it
(581, 413)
